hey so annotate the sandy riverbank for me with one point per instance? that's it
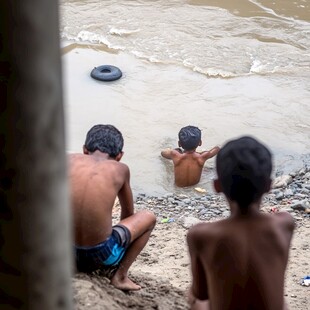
(163, 267)
(163, 271)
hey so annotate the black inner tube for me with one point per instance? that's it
(106, 73)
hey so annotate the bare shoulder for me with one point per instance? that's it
(75, 157)
(177, 152)
(285, 219)
(76, 161)
(280, 220)
(174, 154)
(211, 153)
(81, 164)
(115, 168)
(123, 167)
(203, 231)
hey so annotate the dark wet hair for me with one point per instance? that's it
(106, 139)
(189, 137)
(244, 167)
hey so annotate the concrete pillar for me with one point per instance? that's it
(35, 231)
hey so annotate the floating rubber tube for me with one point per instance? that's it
(106, 73)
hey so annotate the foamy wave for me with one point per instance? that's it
(211, 72)
(303, 126)
(272, 12)
(260, 69)
(256, 67)
(122, 32)
(138, 54)
(90, 37)
(141, 55)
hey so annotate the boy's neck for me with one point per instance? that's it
(251, 210)
(189, 151)
(100, 155)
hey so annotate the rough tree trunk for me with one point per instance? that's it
(35, 233)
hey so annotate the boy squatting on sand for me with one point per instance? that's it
(240, 262)
(97, 177)
(188, 164)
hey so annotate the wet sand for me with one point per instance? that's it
(162, 269)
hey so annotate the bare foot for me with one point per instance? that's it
(125, 284)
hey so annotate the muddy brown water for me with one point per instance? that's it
(230, 68)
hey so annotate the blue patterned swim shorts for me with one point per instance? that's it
(105, 254)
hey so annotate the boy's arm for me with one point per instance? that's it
(125, 196)
(169, 153)
(199, 288)
(209, 154)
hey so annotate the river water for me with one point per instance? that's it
(231, 68)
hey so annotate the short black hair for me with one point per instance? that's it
(244, 167)
(189, 137)
(106, 139)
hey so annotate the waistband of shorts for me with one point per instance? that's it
(92, 247)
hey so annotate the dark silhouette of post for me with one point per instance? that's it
(35, 232)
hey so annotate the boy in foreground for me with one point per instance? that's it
(97, 178)
(188, 163)
(240, 262)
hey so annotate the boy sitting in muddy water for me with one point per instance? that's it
(188, 163)
(240, 262)
(97, 178)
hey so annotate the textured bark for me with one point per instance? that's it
(35, 234)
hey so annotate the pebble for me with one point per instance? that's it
(290, 193)
(300, 206)
(282, 181)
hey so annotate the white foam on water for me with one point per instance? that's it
(272, 12)
(256, 66)
(93, 38)
(121, 32)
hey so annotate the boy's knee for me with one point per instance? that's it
(148, 216)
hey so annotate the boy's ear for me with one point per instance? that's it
(217, 185)
(85, 151)
(200, 143)
(119, 156)
(179, 144)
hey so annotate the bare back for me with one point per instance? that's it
(188, 165)
(188, 168)
(95, 184)
(240, 263)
